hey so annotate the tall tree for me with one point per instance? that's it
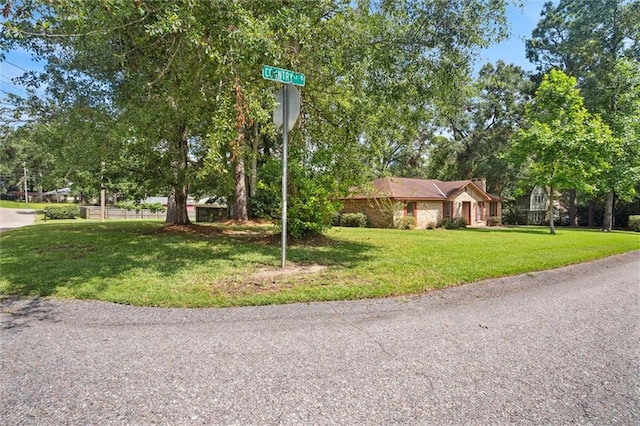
(482, 127)
(184, 77)
(561, 146)
(588, 39)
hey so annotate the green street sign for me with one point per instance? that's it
(282, 76)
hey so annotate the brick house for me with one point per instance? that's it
(429, 201)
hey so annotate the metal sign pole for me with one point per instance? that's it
(285, 137)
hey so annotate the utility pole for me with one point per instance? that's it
(26, 194)
(102, 192)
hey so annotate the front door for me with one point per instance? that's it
(466, 211)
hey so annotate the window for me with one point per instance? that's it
(447, 210)
(480, 211)
(493, 209)
(411, 207)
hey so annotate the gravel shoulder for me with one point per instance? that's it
(553, 347)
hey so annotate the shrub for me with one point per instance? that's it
(128, 205)
(353, 220)
(310, 208)
(405, 223)
(337, 218)
(455, 223)
(153, 207)
(634, 223)
(431, 225)
(514, 215)
(495, 221)
(62, 212)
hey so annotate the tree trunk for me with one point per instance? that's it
(254, 162)
(171, 207)
(607, 223)
(573, 209)
(591, 221)
(177, 213)
(240, 207)
(552, 226)
(237, 155)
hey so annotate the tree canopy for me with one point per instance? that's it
(177, 85)
(561, 144)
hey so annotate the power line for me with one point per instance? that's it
(9, 93)
(17, 66)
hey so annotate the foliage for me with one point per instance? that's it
(310, 209)
(562, 146)
(216, 268)
(170, 98)
(132, 205)
(634, 223)
(597, 43)
(68, 211)
(513, 214)
(481, 129)
(404, 223)
(495, 221)
(453, 223)
(353, 220)
(153, 207)
(127, 205)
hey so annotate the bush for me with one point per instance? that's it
(132, 205)
(128, 205)
(62, 212)
(495, 221)
(153, 207)
(455, 223)
(514, 215)
(405, 223)
(431, 225)
(337, 217)
(634, 223)
(310, 208)
(353, 220)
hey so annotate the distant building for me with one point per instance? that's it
(536, 206)
(428, 201)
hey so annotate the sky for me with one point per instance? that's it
(521, 21)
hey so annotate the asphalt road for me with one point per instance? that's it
(553, 347)
(15, 218)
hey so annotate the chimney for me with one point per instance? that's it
(481, 183)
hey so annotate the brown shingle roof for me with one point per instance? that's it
(412, 189)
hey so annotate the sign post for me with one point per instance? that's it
(285, 149)
(288, 78)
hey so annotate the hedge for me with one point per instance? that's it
(62, 212)
(353, 220)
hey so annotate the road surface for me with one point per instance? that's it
(15, 218)
(554, 347)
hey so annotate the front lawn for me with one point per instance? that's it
(9, 204)
(143, 263)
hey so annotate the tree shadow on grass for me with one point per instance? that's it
(511, 230)
(531, 229)
(40, 261)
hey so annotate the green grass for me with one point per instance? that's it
(22, 205)
(131, 262)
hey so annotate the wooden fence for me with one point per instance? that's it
(93, 212)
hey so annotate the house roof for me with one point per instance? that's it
(414, 189)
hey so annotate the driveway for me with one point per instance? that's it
(15, 218)
(553, 347)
